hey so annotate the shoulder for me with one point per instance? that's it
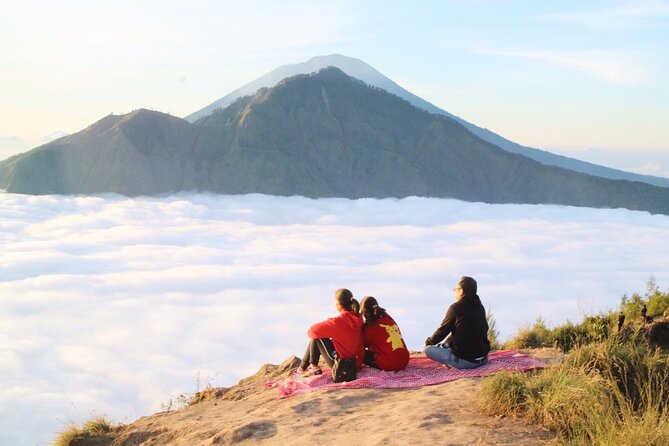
(351, 317)
(387, 320)
(456, 306)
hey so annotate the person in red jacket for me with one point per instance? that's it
(339, 336)
(384, 347)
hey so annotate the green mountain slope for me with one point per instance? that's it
(319, 135)
(360, 70)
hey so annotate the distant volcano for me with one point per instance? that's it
(320, 135)
(360, 70)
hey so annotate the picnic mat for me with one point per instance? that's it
(421, 371)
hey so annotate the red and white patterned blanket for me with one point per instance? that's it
(421, 371)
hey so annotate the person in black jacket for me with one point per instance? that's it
(464, 328)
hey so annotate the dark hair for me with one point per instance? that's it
(355, 306)
(345, 300)
(468, 285)
(371, 311)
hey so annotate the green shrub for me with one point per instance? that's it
(597, 328)
(567, 336)
(657, 302)
(534, 336)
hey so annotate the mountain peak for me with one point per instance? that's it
(143, 114)
(349, 65)
(327, 73)
(364, 72)
(112, 122)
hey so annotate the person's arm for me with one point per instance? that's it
(325, 329)
(444, 329)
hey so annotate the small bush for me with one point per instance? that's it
(534, 336)
(567, 336)
(68, 436)
(74, 436)
(597, 328)
(97, 426)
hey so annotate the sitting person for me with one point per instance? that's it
(465, 330)
(339, 336)
(384, 347)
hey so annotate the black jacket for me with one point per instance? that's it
(466, 322)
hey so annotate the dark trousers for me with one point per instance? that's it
(370, 359)
(317, 348)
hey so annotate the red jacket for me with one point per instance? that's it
(385, 340)
(345, 331)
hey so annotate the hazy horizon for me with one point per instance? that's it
(113, 305)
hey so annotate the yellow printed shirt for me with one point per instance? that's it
(385, 340)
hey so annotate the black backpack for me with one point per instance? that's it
(344, 370)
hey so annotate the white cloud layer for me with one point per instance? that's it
(111, 305)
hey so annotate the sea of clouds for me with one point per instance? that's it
(114, 306)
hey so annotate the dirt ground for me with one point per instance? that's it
(246, 414)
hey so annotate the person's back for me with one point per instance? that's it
(465, 329)
(469, 339)
(335, 338)
(385, 340)
(345, 330)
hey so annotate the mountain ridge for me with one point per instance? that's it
(320, 135)
(362, 71)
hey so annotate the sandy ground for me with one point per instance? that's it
(245, 414)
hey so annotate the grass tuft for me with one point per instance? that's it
(95, 428)
(68, 436)
(604, 393)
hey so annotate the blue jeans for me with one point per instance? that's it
(442, 353)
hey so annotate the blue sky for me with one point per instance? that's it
(588, 80)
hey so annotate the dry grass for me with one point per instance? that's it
(602, 394)
(95, 428)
